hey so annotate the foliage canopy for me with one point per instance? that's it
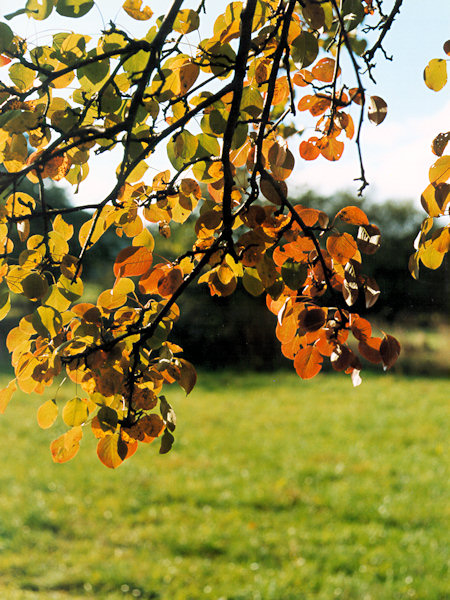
(219, 108)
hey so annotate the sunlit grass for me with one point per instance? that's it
(275, 490)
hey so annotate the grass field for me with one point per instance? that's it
(275, 490)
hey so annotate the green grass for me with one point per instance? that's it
(275, 490)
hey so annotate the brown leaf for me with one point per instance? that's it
(390, 350)
(377, 110)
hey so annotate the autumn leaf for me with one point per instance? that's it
(308, 362)
(135, 10)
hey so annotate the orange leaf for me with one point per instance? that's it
(302, 78)
(112, 450)
(324, 70)
(341, 247)
(440, 171)
(331, 148)
(353, 215)
(308, 362)
(67, 445)
(309, 149)
(170, 282)
(131, 261)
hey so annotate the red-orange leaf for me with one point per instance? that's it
(361, 328)
(171, 281)
(308, 362)
(370, 349)
(131, 261)
(4, 60)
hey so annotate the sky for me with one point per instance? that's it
(397, 153)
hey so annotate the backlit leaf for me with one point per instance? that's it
(47, 414)
(353, 215)
(112, 450)
(67, 445)
(135, 10)
(440, 171)
(188, 376)
(187, 20)
(75, 412)
(308, 362)
(133, 261)
(6, 395)
(341, 247)
(324, 69)
(39, 9)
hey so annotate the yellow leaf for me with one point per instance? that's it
(133, 9)
(435, 74)
(112, 450)
(67, 445)
(47, 414)
(75, 412)
(440, 171)
(6, 395)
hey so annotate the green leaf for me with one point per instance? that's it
(187, 20)
(294, 274)
(207, 146)
(353, 14)
(251, 282)
(252, 102)
(21, 11)
(304, 49)
(39, 9)
(167, 441)
(6, 37)
(181, 149)
(94, 75)
(435, 74)
(74, 8)
(21, 76)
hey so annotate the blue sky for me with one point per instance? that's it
(397, 153)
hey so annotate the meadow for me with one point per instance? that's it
(276, 489)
